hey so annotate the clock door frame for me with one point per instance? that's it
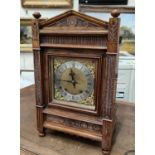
(49, 54)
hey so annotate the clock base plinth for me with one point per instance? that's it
(78, 124)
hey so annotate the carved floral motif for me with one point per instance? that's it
(111, 84)
(35, 34)
(76, 22)
(75, 123)
(113, 29)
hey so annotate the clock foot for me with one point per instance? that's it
(41, 134)
(105, 152)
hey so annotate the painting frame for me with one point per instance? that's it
(47, 4)
(106, 8)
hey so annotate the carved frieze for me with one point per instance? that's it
(75, 123)
(75, 22)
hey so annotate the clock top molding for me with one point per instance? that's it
(76, 27)
(74, 20)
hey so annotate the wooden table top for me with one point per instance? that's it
(56, 143)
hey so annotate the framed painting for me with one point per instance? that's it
(127, 33)
(124, 6)
(106, 8)
(104, 2)
(47, 3)
(25, 35)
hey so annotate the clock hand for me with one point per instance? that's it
(66, 81)
(74, 84)
(69, 81)
(72, 74)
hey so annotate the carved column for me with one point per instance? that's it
(38, 72)
(111, 63)
(110, 78)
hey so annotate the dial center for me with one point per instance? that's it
(78, 83)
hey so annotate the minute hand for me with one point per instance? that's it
(70, 81)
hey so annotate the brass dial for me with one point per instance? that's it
(74, 81)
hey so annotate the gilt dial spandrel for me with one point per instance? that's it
(74, 81)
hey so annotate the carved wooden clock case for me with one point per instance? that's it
(75, 61)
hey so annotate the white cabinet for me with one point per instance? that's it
(126, 78)
(27, 69)
(26, 61)
(22, 65)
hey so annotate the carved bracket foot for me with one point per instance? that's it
(105, 152)
(41, 134)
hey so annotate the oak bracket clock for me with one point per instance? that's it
(75, 61)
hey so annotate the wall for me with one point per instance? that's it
(50, 12)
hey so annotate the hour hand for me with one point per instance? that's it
(74, 84)
(72, 74)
